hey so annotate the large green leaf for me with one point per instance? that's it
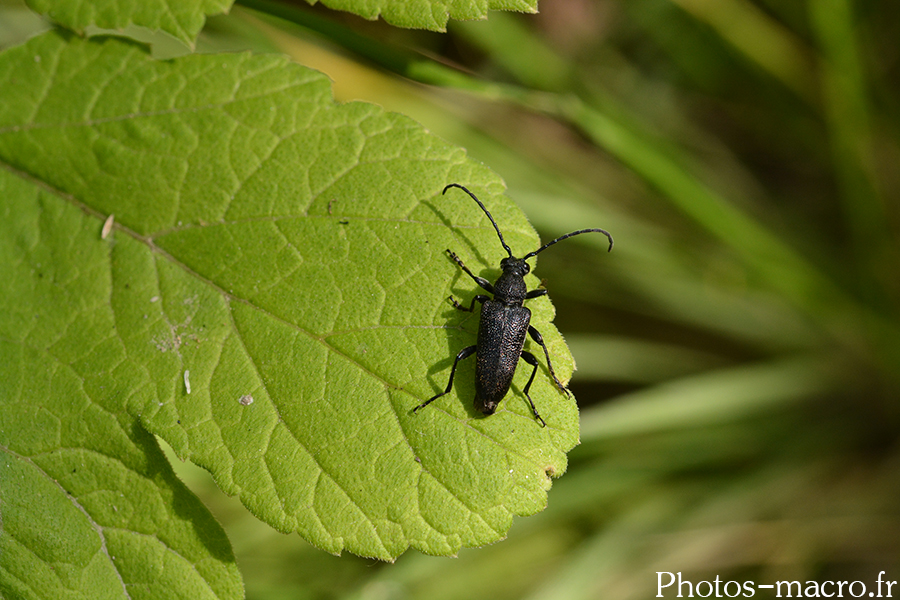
(272, 299)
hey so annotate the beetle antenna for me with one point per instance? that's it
(502, 241)
(568, 235)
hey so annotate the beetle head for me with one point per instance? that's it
(515, 266)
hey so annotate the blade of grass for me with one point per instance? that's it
(761, 39)
(712, 397)
(844, 89)
(612, 358)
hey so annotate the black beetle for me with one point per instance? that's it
(503, 325)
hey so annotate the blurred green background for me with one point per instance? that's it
(738, 351)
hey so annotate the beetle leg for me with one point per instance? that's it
(479, 298)
(531, 360)
(464, 353)
(535, 293)
(484, 283)
(536, 336)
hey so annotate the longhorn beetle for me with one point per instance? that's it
(503, 325)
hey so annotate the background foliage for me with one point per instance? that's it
(738, 352)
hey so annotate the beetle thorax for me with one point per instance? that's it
(510, 287)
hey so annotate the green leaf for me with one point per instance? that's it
(90, 507)
(183, 19)
(274, 297)
(426, 14)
